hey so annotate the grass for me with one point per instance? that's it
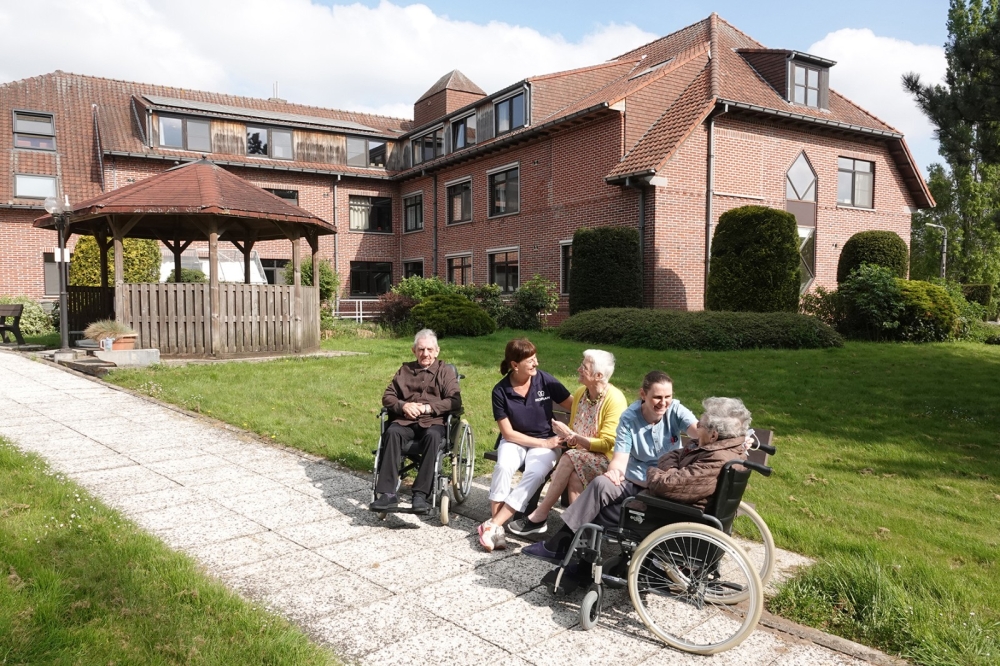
(81, 585)
(887, 466)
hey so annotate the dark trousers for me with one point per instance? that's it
(413, 440)
(601, 496)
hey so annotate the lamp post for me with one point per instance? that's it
(60, 213)
(944, 246)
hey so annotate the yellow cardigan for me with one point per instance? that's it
(607, 419)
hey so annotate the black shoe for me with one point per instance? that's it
(419, 504)
(525, 526)
(384, 502)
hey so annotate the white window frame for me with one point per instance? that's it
(38, 114)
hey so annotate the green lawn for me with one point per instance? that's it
(887, 466)
(81, 585)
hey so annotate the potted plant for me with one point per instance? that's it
(122, 336)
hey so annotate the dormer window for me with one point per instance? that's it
(35, 131)
(805, 85)
(509, 114)
(186, 133)
(428, 146)
(463, 132)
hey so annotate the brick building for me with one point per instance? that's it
(490, 187)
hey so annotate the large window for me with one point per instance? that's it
(463, 132)
(413, 212)
(370, 278)
(34, 187)
(274, 270)
(460, 269)
(504, 198)
(269, 142)
(291, 196)
(805, 85)
(460, 202)
(413, 268)
(566, 263)
(503, 270)
(50, 270)
(428, 146)
(509, 114)
(365, 152)
(855, 182)
(800, 201)
(371, 214)
(186, 133)
(35, 131)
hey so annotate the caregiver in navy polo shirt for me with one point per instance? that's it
(522, 406)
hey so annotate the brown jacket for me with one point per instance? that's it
(689, 475)
(436, 386)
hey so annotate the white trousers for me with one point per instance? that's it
(538, 463)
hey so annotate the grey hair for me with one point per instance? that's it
(425, 333)
(727, 416)
(603, 362)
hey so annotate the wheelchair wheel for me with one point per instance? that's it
(463, 462)
(750, 528)
(678, 579)
(443, 504)
(590, 609)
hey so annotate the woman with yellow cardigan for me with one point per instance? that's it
(589, 441)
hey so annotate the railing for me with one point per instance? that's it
(358, 309)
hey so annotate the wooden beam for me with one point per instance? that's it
(296, 296)
(213, 288)
(128, 226)
(116, 228)
(313, 238)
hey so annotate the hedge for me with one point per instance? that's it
(755, 262)
(452, 314)
(703, 331)
(978, 293)
(881, 248)
(141, 262)
(606, 269)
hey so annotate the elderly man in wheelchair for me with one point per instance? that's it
(691, 584)
(417, 401)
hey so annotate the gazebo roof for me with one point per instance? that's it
(174, 205)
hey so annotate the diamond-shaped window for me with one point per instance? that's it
(800, 183)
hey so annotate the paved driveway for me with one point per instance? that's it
(292, 532)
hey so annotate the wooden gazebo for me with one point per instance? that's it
(196, 202)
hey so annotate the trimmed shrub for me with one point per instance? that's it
(141, 261)
(490, 298)
(978, 293)
(827, 306)
(607, 269)
(755, 261)
(452, 314)
(534, 301)
(194, 275)
(871, 304)
(929, 313)
(419, 288)
(881, 248)
(328, 280)
(394, 310)
(34, 320)
(704, 331)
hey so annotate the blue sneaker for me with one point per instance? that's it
(541, 552)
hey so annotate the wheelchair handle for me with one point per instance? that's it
(766, 448)
(762, 469)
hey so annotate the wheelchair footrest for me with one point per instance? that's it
(402, 509)
(572, 579)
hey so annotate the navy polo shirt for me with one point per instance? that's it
(532, 414)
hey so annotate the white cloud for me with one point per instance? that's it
(353, 57)
(869, 71)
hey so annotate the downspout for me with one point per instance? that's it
(435, 251)
(336, 253)
(710, 194)
(640, 185)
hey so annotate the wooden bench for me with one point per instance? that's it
(11, 311)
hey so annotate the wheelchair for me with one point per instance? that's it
(691, 583)
(454, 466)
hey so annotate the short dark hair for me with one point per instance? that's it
(655, 377)
(516, 351)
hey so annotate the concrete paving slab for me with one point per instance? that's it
(277, 517)
(461, 596)
(414, 571)
(136, 503)
(170, 467)
(238, 552)
(291, 570)
(325, 596)
(809, 655)
(445, 646)
(209, 531)
(523, 621)
(248, 484)
(133, 479)
(326, 532)
(183, 516)
(111, 460)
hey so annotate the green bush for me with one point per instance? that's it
(490, 298)
(419, 288)
(980, 331)
(194, 275)
(827, 306)
(881, 248)
(34, 320)
(394, 311)
(607, 269)
(704, 331)
(978, 293)
(141, 262)
(533, 302)
(929, 313)
(870, 304)
(755, 262)
(328, 280)
(452, 314)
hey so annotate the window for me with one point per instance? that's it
(509, 114)
(460, 202)
(413, 212)
(413, 268)
(460, 269)
(35, 131)
(503, 270)
(256, 140)
(463, 132)
(566, 251)
(274, 143)
(291, 196)
(800, 201)
(365, 152)
(186, 133)
(370, 278)
(50, 270)
(274, 270)
(371, 214)
(281, 144)
(504, 198)
(428, 146)
(855, 182)
(34, 187)
(805, 85)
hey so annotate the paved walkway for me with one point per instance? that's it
(292, 532)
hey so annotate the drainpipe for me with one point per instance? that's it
(336, 253)
(435, 253)
(640, 185)
(710, 194)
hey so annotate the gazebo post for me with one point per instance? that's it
(213, 286)
(116, 229)
(296, 294)
(313, 240)
(101, 237)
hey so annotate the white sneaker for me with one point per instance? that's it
(499, 538)
(487, 532)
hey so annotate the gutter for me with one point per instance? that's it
(810, 119)
(435, 249)
(247, 165)
(640, 184)
(336, 253)
(710, 197)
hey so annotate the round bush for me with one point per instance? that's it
(34, 320)
(755, 261)
(929, 313)
(193, 275)
(703, 331)
(328, 280)
(451, 314)
(881, 248)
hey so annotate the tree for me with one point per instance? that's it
(141, 261)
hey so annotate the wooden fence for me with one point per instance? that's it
(86, 305)
(253, 318)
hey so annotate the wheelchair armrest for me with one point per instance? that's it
(682, 511)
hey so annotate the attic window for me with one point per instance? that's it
(651, 68)
(35, 131)
(805, 85)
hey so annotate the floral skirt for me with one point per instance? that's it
(588, 465)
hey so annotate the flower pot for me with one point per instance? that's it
(124, 342)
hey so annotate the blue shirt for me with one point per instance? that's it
(645, 442)
(531, 414)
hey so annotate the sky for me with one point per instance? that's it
(379, 56)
